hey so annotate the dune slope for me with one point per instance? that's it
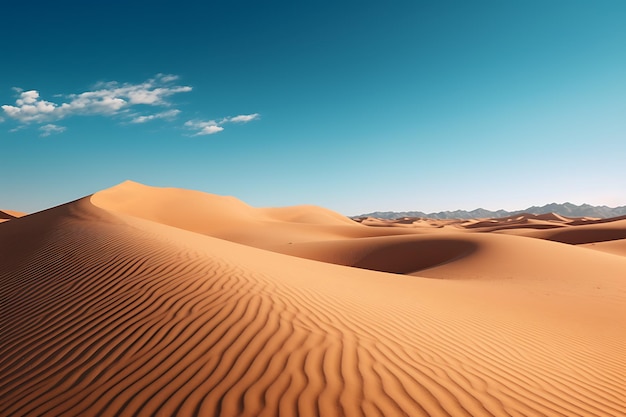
(586, 233)
(229, 218)
(6, 215)
(113, 314)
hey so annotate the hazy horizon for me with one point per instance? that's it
(365, 212)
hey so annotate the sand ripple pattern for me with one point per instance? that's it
(107, 319)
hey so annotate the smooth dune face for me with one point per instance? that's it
(114, 310)
(226, 217)
(616, 247)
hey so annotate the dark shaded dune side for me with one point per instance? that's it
(577, 237)
(524, 226)
(403, 254)
(6, 215)
(584, 233)
(413, 256)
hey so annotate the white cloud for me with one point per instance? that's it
(29, 107)
(168, 115)
(28, 97)
(139, 95)
(204, 128)
(110, 99)
(166, 78)
(49, 129)
(107, 99)
(209, 130)
(210, 127)
(243, 118)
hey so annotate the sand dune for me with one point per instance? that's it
(548, 226)
(412, 222)
(132, 302)
(229, 218)
(581, 233)
(6, 215)
(617, 247)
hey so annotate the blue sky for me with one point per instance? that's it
(352, 105)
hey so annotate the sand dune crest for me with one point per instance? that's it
(10, 215)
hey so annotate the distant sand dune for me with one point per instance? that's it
(584, 233)
(114, 311)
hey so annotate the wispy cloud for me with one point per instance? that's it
(211, 126)
(204, 128)
(106, 99)
(166, 78)
(243, 118)
(167, 115)
(49, 129)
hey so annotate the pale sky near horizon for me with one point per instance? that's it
(356, 106)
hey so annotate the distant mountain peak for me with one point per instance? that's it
(563, 209)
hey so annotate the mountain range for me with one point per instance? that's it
(564, 209)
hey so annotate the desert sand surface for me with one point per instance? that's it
(144, 301)
(617, 247)
(6, 215)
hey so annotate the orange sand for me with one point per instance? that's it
(139, 301)
(6, 215)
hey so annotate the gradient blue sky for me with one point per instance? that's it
(352, 105)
